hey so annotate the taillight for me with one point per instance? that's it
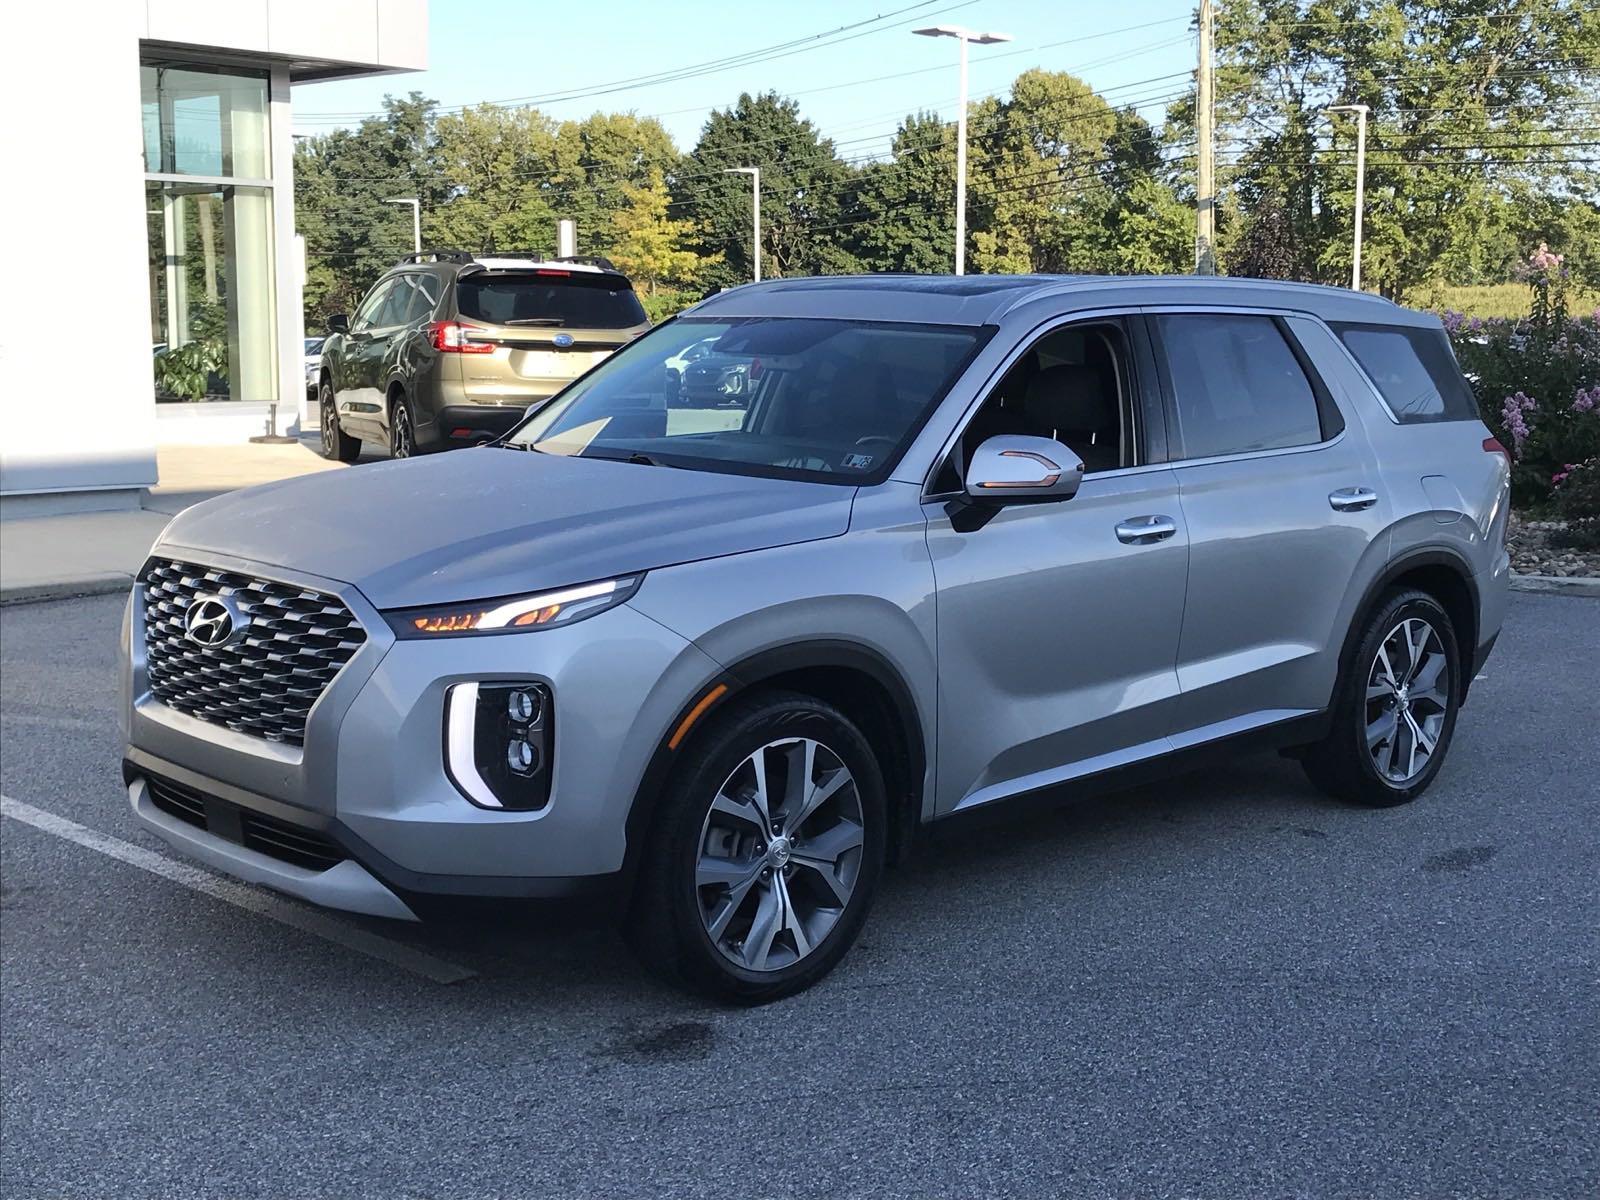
(1491, 445)
(450, 337)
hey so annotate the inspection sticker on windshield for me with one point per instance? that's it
(857, 462)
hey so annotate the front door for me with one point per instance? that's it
(1058, 622)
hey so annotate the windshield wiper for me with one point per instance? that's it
(637, 457)
(535, 321)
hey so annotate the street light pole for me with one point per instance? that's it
(964, 36)
(755, 190)
(1361, 111)
(416, 219)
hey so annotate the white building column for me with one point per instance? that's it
(287, 263)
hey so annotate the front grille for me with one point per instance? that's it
(264, 681)
(294, 844)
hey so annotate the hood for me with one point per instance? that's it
(479, 523)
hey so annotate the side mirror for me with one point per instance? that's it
(1013, 467)
(339, 323)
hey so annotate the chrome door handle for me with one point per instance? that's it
(1146, 531)
(1352, 499)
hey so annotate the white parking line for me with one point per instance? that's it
(285, 912)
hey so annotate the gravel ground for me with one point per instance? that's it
(1221, 986)
(1534, 553)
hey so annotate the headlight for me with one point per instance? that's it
(516, 614)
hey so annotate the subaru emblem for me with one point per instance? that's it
(562, 340)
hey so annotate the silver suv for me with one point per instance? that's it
(961, 542)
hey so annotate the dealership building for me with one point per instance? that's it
(155, 291)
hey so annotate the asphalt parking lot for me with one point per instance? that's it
(1222, 986)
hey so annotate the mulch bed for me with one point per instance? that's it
(1534, 552)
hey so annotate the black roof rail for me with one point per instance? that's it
(455, 256)
(592, 260)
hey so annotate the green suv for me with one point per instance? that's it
(449, 349)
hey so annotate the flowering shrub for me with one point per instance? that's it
(1577, 502)
(1537, 381)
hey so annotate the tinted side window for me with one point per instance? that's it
(1237, 385)
(1414, 370)
(376, 299)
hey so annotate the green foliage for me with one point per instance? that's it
(1537, 381)
(658, 306)
(649, 245)
(1480, 114)
(1577, 502)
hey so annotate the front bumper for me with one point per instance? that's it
(370, 776)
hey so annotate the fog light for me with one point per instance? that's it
(497, 743)
(523, 707)
(521, 757)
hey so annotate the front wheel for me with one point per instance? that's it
(1396, 707)
(336, 443)
(765, 852)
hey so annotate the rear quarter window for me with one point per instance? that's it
(1414, 371)
(579, 301)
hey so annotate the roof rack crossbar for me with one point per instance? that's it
(458, 256)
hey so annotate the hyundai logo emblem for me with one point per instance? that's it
(213, 621)
(563, 340)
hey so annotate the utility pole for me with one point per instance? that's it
(1360, 111)
(1205, 198)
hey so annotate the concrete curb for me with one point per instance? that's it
(66, 589)
(1561, 585)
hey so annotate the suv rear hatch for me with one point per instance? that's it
(531, 332)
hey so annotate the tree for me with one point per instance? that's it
(649, 245)
(341, 182)
(803, 183)
(903, 209)
(1473, 104)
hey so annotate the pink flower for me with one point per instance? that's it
(1543, 260)
(1586, 399)
(1512, 410)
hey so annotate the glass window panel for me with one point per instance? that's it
(1237, 385)
(204, 122)
(213, 319)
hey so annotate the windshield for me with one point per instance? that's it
(554, 299)
(799, 398)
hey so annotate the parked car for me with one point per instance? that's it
(971, 542)
(313, 364)
(701, 378)
(448, 348)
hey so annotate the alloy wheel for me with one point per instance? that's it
(779, 854)
(1407, 701)
(330, 434)
(400, 432)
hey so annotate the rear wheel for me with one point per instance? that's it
(765, 852)
(336, 443)
(1396, 708)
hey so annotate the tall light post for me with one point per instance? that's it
(416, 218)
(962, 35)
(755, 194)
(1361, 111)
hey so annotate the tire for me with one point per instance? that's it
(1400, 693)
(714, 881)
(402, 429)
(336, 443)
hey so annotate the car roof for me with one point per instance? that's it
(987, 299)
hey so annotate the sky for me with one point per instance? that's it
(505, 50)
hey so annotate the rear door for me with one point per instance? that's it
(1285, 506)
(547, 327)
